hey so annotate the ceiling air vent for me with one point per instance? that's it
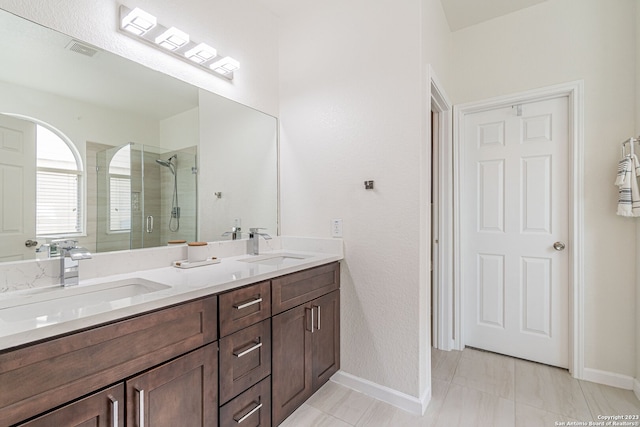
(81, 48)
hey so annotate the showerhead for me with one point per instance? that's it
(168, 163)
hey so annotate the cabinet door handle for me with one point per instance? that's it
(140, 394)
(149, 224)
(114, 411)
(240, 306)
(318, 307)
(247, 351)
(313, 328)
(248, 414)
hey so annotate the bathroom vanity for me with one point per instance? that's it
(246, 351)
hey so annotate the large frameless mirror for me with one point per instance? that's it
(96, 147)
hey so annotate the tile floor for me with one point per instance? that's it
(475, 388)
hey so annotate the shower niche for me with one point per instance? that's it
(146, 196)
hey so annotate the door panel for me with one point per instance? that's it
(514, 207)
(326, 338)
(182, 392)
(17, 187)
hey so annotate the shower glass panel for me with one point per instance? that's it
(146, 197)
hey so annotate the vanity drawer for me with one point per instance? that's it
(243, 307)
(245, 359)
(38, 377)
(301, 287)
(252, 408)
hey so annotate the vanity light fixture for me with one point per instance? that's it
(225, 66)
(138, 22)
(201, 53)
(172, 39)
(140, 25)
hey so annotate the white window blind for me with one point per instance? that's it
(58, 186)
(58, 204)
(119, 203)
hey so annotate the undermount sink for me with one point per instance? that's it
(55, 304)
(274, 259)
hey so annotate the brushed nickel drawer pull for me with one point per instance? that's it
(140, 394)
(247, 304)
(114, 411)
(247, 351)
(312, 326)
(248, 414)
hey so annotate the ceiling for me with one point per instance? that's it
(465, 13)
(460, 13)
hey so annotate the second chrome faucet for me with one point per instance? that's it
(254, 240)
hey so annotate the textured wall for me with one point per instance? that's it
(559, 41)
(353, 108)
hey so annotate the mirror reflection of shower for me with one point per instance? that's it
(174, 219)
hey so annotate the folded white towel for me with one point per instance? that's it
(627, 181)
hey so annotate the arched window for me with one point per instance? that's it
(58, 185)
(120, 190)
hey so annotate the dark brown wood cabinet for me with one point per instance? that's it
(306, 338)
(36, 378)
(103, 409)
(182, 392)
(163, 368)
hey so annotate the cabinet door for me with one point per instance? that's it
(290, 362)
(104, 409)
(325, 338)
(182, 392)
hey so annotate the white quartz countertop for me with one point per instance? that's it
(25, 321)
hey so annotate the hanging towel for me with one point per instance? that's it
(627, 182)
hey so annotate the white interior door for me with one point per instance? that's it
(514, 209)
(17, 188)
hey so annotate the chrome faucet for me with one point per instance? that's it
(70, 255)
(254, 240)
(235, 233)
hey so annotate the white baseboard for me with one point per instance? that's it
(393, 397)
(610, 378)
(636, 387)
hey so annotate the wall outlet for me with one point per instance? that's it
(336, 228)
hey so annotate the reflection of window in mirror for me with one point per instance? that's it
(120, 190)
(58, 189)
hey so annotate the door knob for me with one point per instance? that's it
(30, 243)
(559, 246)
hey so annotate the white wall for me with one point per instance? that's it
(238, 158)
(559, 41)
(353, 109)
(239, 28)
(180, 131)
